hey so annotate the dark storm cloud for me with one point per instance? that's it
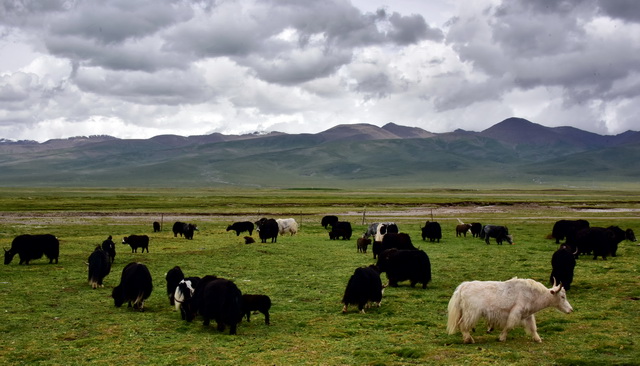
(549, 44)
(168, 87)
(412, 29)
(117, 35)
(116, 21)
(339, 22)
(144, 55)
(298, 67)
(290, 42)
(523, 32)
(466, 93)
(152, 35)
(375, 86)
(628, 10)
(30, 12)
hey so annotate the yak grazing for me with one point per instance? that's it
(504, 305)
(135, 286)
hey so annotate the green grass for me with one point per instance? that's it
(309, 160)
(52, 316)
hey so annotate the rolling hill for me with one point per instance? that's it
(512, 152)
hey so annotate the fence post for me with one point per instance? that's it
(364, 214)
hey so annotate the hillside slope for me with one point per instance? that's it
(514, 151)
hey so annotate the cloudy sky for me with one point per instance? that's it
(140, 68)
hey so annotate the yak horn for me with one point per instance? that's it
(556, 287)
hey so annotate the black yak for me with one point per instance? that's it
(567, 229)
(184, 229)
(110, 248)
(432, 231)
(403, 265)
(328, 220)
(29, 247)
(501, 233)
(341, 229)
(137, 241)
(241, 226)
(135, 286)
(398, 241)
(99, 267)
(261, 303)
(173, 277)
(267, 229)
(218, 299)
(476, 229)
(364, 286)
(563, 262)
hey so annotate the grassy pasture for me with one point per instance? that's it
(51, 315)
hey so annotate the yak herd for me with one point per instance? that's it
(219, 299)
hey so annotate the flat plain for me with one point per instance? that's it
(51, 316)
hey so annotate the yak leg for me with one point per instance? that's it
(220, 326)
(503, 335)
(344, 308)
(466, 324)
(513, 320)
(466, 337)
(530, 327)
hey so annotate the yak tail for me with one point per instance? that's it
(455, 312)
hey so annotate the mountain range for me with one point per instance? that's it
(512, 152)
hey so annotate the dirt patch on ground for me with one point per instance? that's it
(465, 212)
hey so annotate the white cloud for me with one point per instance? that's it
(135, 69)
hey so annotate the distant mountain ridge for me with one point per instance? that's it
(514, 150)
(511, 130)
